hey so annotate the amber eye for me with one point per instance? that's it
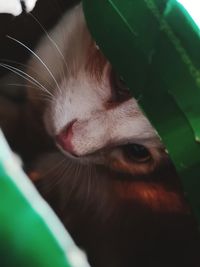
(121, 91)
(137, 153)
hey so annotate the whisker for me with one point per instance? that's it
(51, 171)
(61, 173)
(43, 97)
(88, 182)
(26, 66)
(51, 40)
(90, 177)
(73, 171)
(27, 86)
(14, 62)
(40, 60)
(20, 85)
(8, 67)
(25, 76)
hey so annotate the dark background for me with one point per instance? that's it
(27, 30)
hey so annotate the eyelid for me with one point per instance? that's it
(131, 150)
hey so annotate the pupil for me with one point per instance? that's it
(137, 153)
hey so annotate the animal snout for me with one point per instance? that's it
(64, 138)
(83, 137)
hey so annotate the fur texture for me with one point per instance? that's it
(110, 180)
(85, 95)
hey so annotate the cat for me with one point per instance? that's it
(87, 102)
(97, 159)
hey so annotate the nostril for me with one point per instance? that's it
(64, 138)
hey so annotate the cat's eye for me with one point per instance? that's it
(137, 153)
(121, 91)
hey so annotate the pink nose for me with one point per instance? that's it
(64, 138)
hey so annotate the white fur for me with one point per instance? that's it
(113, 127)
(81, 97)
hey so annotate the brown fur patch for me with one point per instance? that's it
(152, 195)
(96, 62)
(132, 168)
(111, 105)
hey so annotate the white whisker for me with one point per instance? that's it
(53, 172)
(51, 40)
(25, 76)
(26, 66)
(20, 85)
(43, 97)
(40, 60)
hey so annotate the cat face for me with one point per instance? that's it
(90, 113)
